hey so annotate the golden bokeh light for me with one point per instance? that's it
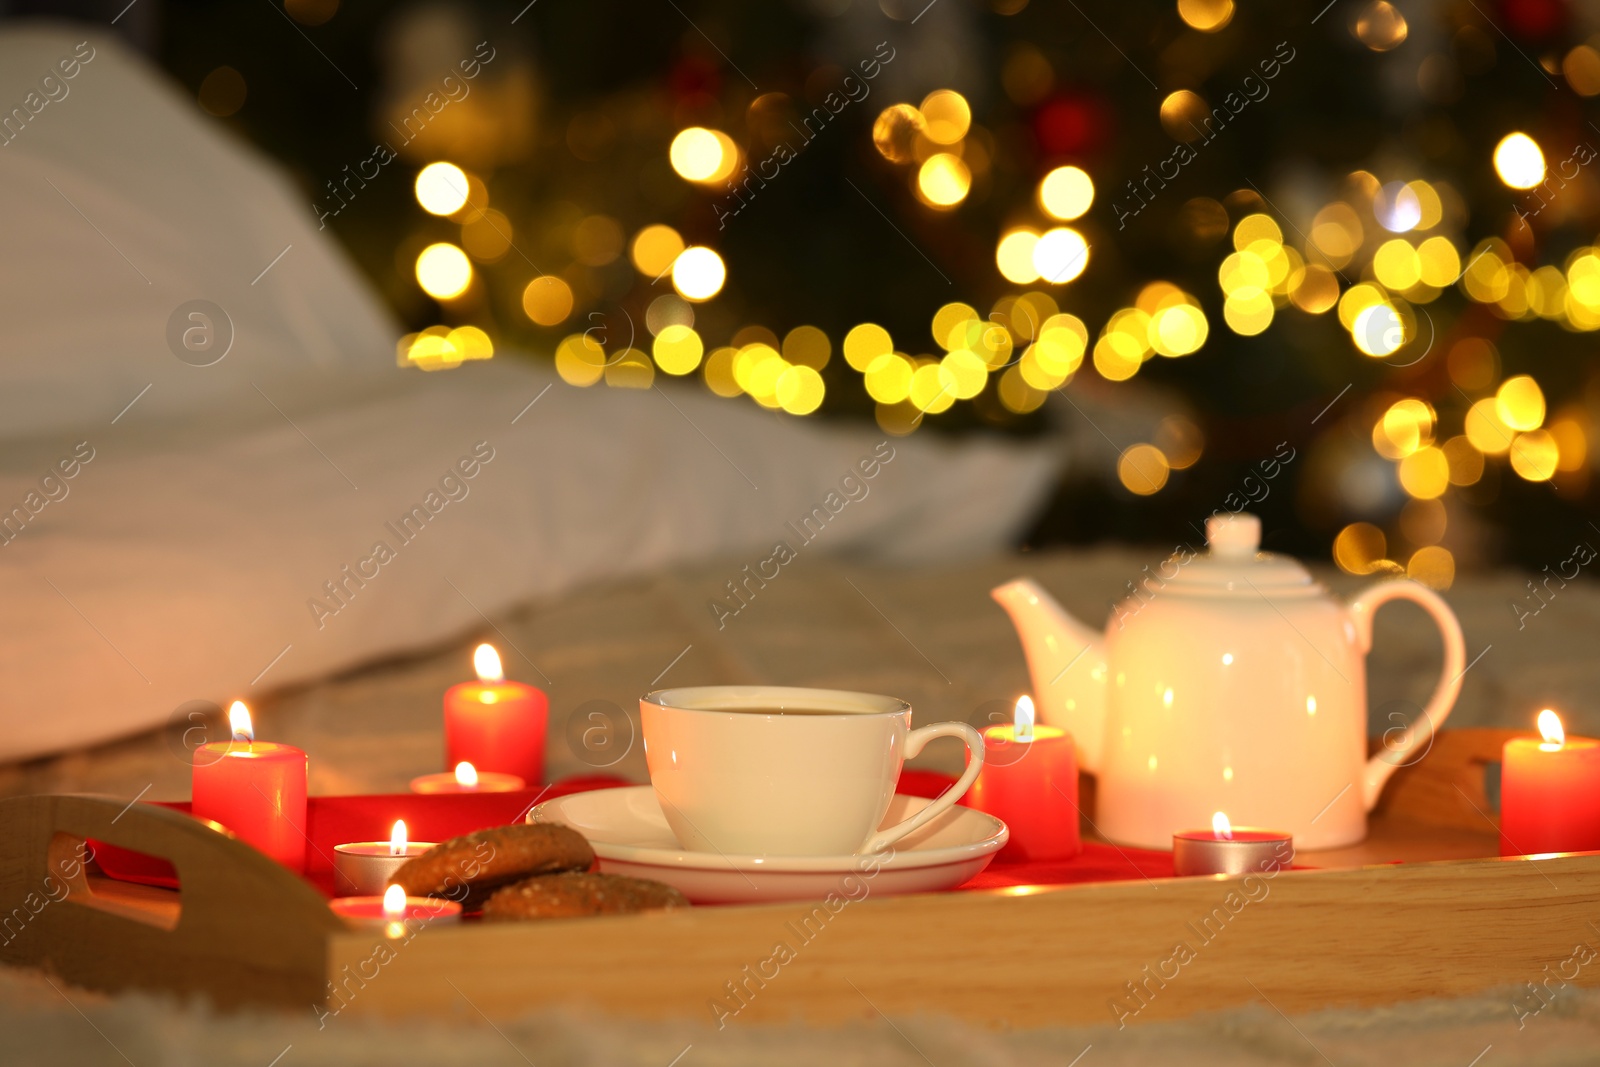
(1028, 314)
(718, 372)
(1433, 566)
(580, 360)
(1183, 114)
(1535, 456)
(1572, 443)
(1060, 255)
(895, 132)
(888, 378)
(1485, 429)
(1488, 276)
(897, 420)
(1207, 16)
(698, 273)
(807, 346)
(441, 188)
(932, 388)
(1380, 26)
(944, 180)
(630, 369)
(1017, 395)
(1425, 473)
(1438, 261)
(1397, 264)
(947, 116)
(865, 343)
(1257, 227)
(1520, 403)
(1359, 548)
(1519, 161)
(1178, 329)
(1014, 256)
(702, 155)
(443, 271)
(1337, 233)
(947, 320)
(1066, 193)
(547, 300)
(655, 248)
(800, 390)
(1404, 428)
(967, 373)
(1581, 68)
(1143, 470)
(440, 348)
(1379, 329)
(677, 349)
(1317, 291)
(1248, 310)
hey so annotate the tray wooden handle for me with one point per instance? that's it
(241, 928)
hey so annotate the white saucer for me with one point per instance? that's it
(630, 836)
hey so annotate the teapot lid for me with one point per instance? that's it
(1235, 562)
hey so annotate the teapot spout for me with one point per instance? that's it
(1067, 663)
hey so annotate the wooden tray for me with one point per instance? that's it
(1364, 930)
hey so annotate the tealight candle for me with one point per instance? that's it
(257, 789)
(1225, 849)
(394, 910)
(466, 779)
(1029, 782)
(363, 868)
(494, 724)
(1549, 792)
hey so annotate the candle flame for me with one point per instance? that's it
(486, 661)
(394, 903)
(1221, 827)
(466, 773)
(1550, 728)
(239, 722)
(397, 838)
(1024, 718)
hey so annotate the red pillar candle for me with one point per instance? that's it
(1029, 782)
(495, 725)
(257, 789)
(1550, 792)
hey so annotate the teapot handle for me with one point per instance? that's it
(1415, 738)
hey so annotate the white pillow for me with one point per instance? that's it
(128, 203)
(221, 537)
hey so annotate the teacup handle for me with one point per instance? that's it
(1415, 738)
(914, 744)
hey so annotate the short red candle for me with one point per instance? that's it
(1549, 793)
(369, 911)
(257, 789)
(1228, 849)
(1032, 787)
(456, 782)
(496, 725)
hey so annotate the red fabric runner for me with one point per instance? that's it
(337, 820)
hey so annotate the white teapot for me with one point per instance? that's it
(1231, 682)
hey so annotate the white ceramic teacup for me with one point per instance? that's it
(760, 770)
